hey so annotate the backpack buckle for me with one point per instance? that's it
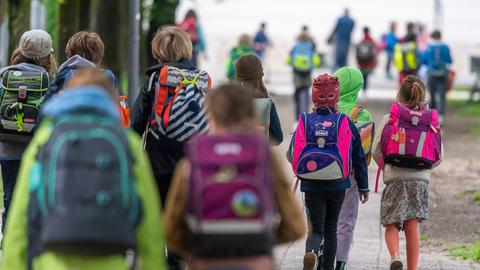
(321, 142)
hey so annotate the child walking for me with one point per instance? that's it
(32, 66)
(325, 147)
(101, 201)
(221, 210)
(249, 72)
(399, 150)
(351, 82)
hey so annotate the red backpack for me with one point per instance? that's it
(190, 26)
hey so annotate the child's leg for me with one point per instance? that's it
(315, 204)
(334, 201)
(412, 236)
(392, 240)
(346, 222)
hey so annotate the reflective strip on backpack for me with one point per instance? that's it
(421, 143)
(227, 227)
(401, 148)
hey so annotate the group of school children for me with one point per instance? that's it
(87, 197)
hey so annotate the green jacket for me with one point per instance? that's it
(351, 82)
(149, 233)
(235, 54)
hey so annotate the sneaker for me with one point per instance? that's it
(396, 264)
(310, 261)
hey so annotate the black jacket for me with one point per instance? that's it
(164, 154)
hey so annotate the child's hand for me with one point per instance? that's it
(364, 197)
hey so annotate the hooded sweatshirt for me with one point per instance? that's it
(351, 82)
(19, 234)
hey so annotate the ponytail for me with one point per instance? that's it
(412, 93)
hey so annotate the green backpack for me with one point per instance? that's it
(263, 107)
(21, 97)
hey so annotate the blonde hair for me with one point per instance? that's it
(48, 62)
(412, 92)
(171, 44)
(95, 76)
(88, 45)
(245, 40)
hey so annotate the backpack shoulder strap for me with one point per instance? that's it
(356, 110)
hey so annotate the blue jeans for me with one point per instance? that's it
(341, 56)
(323, 209)
(302, 101)
(437, 86)
(10, 170)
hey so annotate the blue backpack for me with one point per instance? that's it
(439, 66)
(302, 56)
(71, 72)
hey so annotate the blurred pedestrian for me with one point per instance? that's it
(192, 26)
(341, 37)
(82, 224)
(249, 72)
(438, 59)
(218, 212)
(406, 56)
(320, 139)
(366, 53)
(303, 59)
(261, 41)
(23, 87)
(243, 47)
(389, 41)
(164, 113)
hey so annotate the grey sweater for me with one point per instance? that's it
(392, 173)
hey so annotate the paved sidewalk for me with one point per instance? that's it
(369, 250)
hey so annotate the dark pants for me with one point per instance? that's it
(195, 58)
(365, 79)
(388, 64)
(437, 86)
(341, 55)
(163, 184)
(302, 100)
(9, 177)
(323, 209)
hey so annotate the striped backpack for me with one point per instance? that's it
(178, 112)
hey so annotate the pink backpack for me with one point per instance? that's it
(411, 139)
(321, 148)
(230, 209)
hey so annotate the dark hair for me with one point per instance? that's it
(231, 106)
(263, 25)
(88, 45)
(437, 35)
(412, 92)
(249, 73)
(305, 28)
(191, 14)
(366, 30)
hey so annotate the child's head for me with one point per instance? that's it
(35, 47)
(412, 92)
(325, 91)
(93, 76)
(191, 14)
(366, 31)
(436, 35)
(230, 107)
(171, 44)
(249, 72)
(244, 40)
(88, 45)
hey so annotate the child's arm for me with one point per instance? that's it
(175, 226)
(141, 109)
(15, 244)
(359, 161)
(149, 233)
(376, 145)
(292, 225)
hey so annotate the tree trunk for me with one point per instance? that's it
(19, 21)
(68, 24)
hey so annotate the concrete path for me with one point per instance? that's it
(369, 250)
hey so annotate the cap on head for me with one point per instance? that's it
(325, 91)
(35, 44)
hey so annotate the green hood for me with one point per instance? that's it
(351, 82)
